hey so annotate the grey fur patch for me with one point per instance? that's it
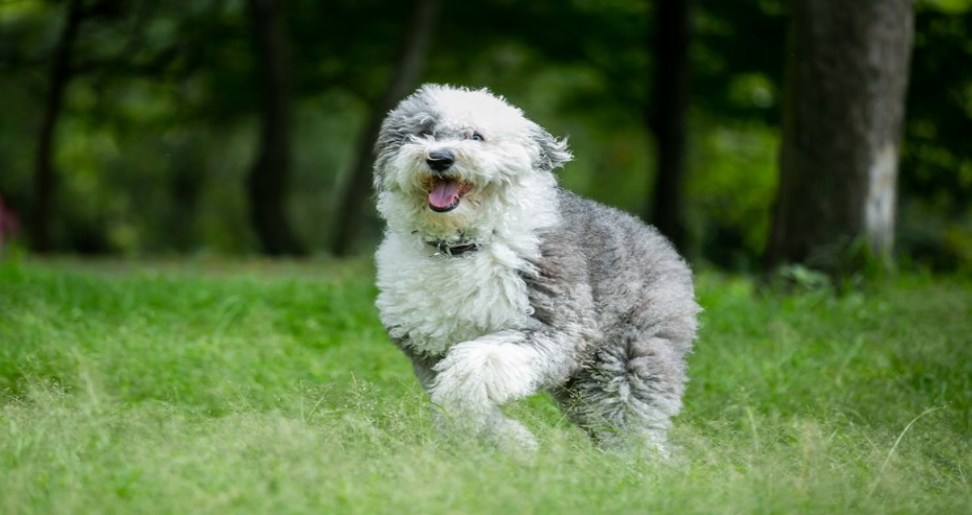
(412, 118)
(626, 380)
(554, 152)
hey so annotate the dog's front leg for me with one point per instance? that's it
(490, 370)
(478, 376)
(470, 383)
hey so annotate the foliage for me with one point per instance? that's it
(159, 123)
(936, 179)
(255, 387)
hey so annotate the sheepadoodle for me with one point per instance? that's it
(497, 284)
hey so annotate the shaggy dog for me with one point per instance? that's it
(497, 284)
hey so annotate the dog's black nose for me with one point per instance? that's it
(440, 160)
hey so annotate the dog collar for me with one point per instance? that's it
(453, 250)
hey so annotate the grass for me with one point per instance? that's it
(270, 388)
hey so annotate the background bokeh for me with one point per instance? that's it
(161, 112)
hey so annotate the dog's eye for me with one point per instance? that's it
(477, 137)
(425, 133)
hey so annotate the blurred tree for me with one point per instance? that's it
(404, 77)
(667, 118)
(847, 72)
(152, 147)
(268, 179)
(45, 175)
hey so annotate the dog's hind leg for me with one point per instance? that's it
(628, 394)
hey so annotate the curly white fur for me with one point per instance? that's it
(516, 286)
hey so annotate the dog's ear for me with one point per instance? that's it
(390, 138)
(553, 152)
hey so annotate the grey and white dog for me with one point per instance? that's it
(497, 284)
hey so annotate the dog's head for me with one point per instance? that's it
(448, 156)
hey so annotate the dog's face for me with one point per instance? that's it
(447, 157)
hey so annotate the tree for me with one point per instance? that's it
(268, 179)
(406, 73)
(667, 118)
(845, 84)
(45, 175)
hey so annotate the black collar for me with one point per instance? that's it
(453, 250)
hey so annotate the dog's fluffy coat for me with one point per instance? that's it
(497, 284)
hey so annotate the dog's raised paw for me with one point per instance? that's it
(489, 371)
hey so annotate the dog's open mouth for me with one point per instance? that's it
(445, 194)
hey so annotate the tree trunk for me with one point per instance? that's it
(404, 77)
(668, 114)
(45, 176)
(269, 177)
(847, 71)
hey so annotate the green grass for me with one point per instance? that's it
(270, 388)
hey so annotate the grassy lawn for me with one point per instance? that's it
(270, 388)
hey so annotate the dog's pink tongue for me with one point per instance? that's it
(444, 194)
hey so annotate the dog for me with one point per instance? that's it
(497, 284)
